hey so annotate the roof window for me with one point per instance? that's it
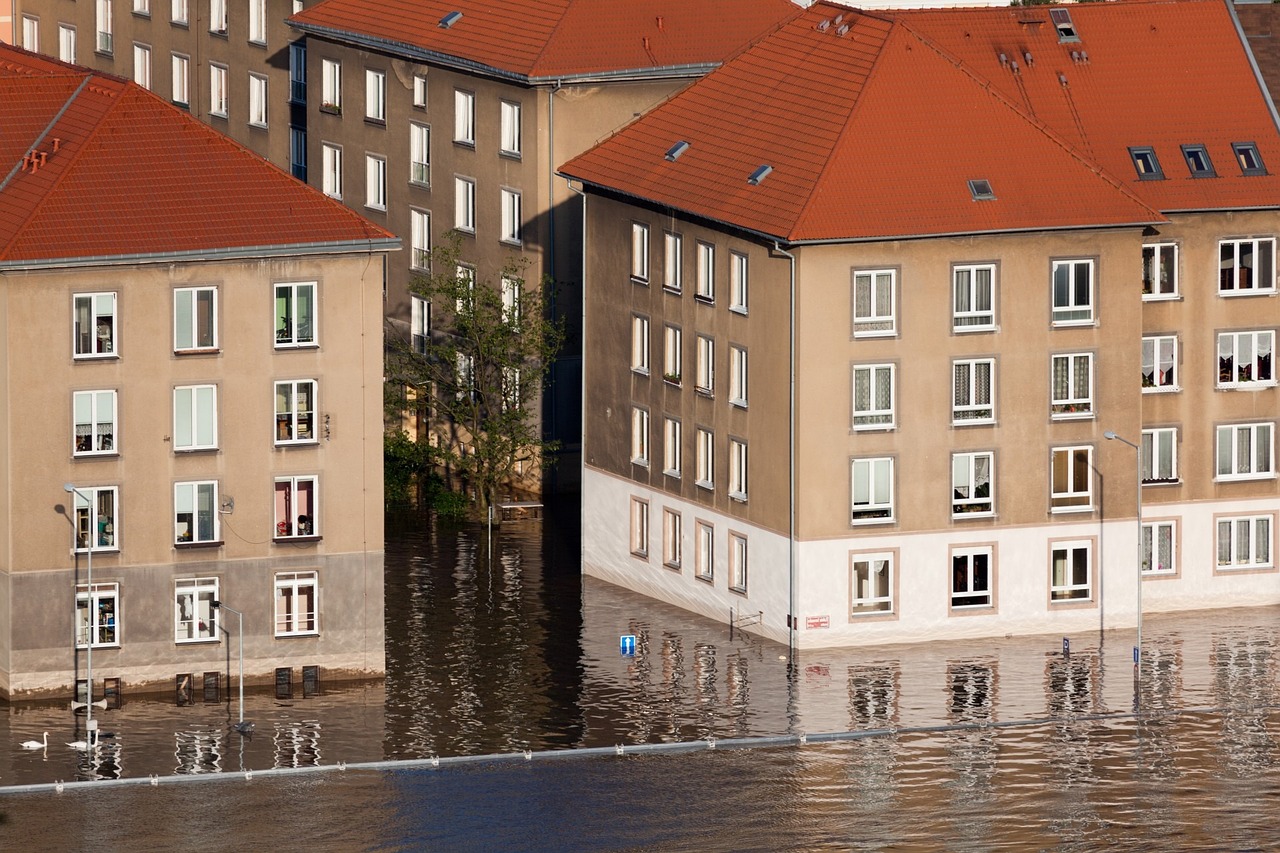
(981, 190)
(1146, 164)
(1198, 161)
(674, 152)
(450, 19)
(1248, 157)
(1062, 22)
(759, 175)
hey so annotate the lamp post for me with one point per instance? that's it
(90, 623)
(242, 727)
(1137, 650)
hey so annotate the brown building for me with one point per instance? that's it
(204, 347)
(858, 346)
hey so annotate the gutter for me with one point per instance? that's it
(340, 247)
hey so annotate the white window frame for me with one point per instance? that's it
(92, 604)
(973, 301)
(739, 282)
(291, 588)
(188, 499)
(639, 436)
(705, 568)
(464, 204)
(1240, 541)
(738, 376)
(706, 459)
(672, 261)
(672, 538)
(1067, 403)
(102, 21)
(1066, 586)
(640, 252)
(375, 95)
(464, 117)
(195, 417)
(871, 490)
(512, 288)
(375, 182)
(1159, 271)
(512, 216)
(640, 344)
(672, 354)
(871, 584)
(420, 154)
(1160, 364)
(96, 508)
(419, 323)
(1068, 307)
(291, 524)
(95, 329)
(639, 528)
(180, 78)
(420, 90)
(875, 298)
(419, 239)
(672, 447)
(1159, 455)
(218, 17)
(1251, 458)
(258, 22)
(967, 472)
(178, 11)
(967, 592)
(967, 405)
(67, 43)
(1165, 560)
(706, 272)
(257, 100)
(95, 417)
(293, 423)
(297, 326)
(1234, 346)
(737, 562)
(217, 90)
(1066, 491)
(1232, 280)
(873, 385)
(142, 65)
(738, 471)
(511, 130)
(31, 33)
(195, 619)
(331, 86)
(706, 365)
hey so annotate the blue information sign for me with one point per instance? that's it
(627, 644)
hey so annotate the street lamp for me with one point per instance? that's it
(242, 727)
(1137, 650)
(91, 737)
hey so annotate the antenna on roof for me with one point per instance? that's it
(450, 19)
(674, 152)
(759, 175)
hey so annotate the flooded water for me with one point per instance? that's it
(1006, 744)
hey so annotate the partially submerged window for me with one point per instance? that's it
(1248, 157)
(1146, 164)
(1198, 161)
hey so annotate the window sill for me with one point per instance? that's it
(704, 299)
(376, 208)
(1256, 291)
(986, 515)
(138, 13)
(1173, 482)
(100, 550)
(703, 484)
(187, 451)
(640, 371)
(873, 428)
(968, 422)
(105, 54)
(101, 454)
(738, 404)
(375, 122)
(513, 243)
(642, 463)
(422, 185)
(465, 143)
(672, 380)
(221, 116)
(704, 392)
(873, 614)
(1074, 324)
(290, 540)
(1162, 297)
(99, 646)
(1244, 478)
(711, 579)
(673, 290)
(509, 155)
(739, 497)
(1162, 389)
(195, 546)
(195, 641)
(1245, 386)
(675, 475)
(257, 43)
(222, 34)
(864, 522)
(738, 309)
(182, 25)
(297, 635)
(331, 109)
(198, 351)
(641, 555)
(987, 328)
(1071, 602)
(1068, 510)
(257, 125)
(1072, 416)
(104, 356)
(635, 279)
(738, 590)
(286, 346)
(675, 567)
(971, 609)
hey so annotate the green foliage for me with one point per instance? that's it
(405, 463)
(451, 506)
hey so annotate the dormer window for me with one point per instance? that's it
(1062, 22)
(1248, 158)
(1198, 161)
(1146, 164)
(981, 190)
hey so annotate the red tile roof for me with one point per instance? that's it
(537, 40)
(126, 174)
(874, 131)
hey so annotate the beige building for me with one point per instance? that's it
(206, 362)
(855, 367)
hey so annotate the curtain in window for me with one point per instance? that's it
(862, 297)
(1262, 541)
(1224, 543)
(1061, 379)
(884, 296)
(962, 384)
(1244, 443)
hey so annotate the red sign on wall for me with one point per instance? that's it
(811, 622)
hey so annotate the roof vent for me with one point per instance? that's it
(1013, 66)
(1084, 56)
(1075, 56)
(674, 152)
(1062, 78)
(1027, 57)
(450, 19)
(759, 175)
(824, 26)
(981, 190)
(1004, 60)
(843, 28)
(1062, 21)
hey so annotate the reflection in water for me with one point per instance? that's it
(873, 704)
(198, 752)
(297, 745)
(1072, 690)
(1244, 684)
(972, 749)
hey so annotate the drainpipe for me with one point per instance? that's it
(791, 463)
(582, 391)
(551, 176)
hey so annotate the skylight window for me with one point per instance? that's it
(1248, 157)
(981, 190)
(1198, 161)
(1062, 21)
(759, 175)
(674, 152)
(450, 19)
(1146, 164)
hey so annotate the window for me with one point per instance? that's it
(1146, 164)
(511, 299)
(180, 66)
(640, 344)
(375, 182)
(737, 376)
(871, 584)
(95, 426)
(672, 533)
(178, 11)
(1072, 487)
(1158, 543)
(971, 576)
(464, 117)
(1160, 455)
(1159, 270)
(706, 272)
(296, 595)
(1244, 542)
(103, 20)
(298, 152)
(671, 354)
(298, 72)
(640, 251)
(195, 417)
(375, 95)
(640, 528)
(295, 314)
(1198, 162)
(873, 302)
(1248, 158)
(737, 469)
(465, 275)
(1072, 385)
(973, 397)
(218, 16)
(1246, 266)
(1072, 292)
(1244, 359)
(194, 616)
(331, 85)
(737, 562)
(142, 65)
(257, 100)
(96, 620)
(706, 365)
(419, 323)
(706, 459)
(464, 204)
(673, 261)
(640, 436)
(671, 448)
(511, 131)
(1159, 363)
(95, 324)
(296, 411)
(420, 91)
(706, 567)
(1070, 571)
(872, 490)
(95, 510)
(142, 7)
(739, 280)
(420, 239)
(971, 478)
(465, 370)
(30, 33)
(195, 512)
(873, 396)
(66, 43)
(512, 217)
(217, 90)
(419, 154)
(296, 510)
(258, 21)
(1244, 452)
(974, 292)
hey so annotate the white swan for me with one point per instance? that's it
(35, 744)
(83, 745)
